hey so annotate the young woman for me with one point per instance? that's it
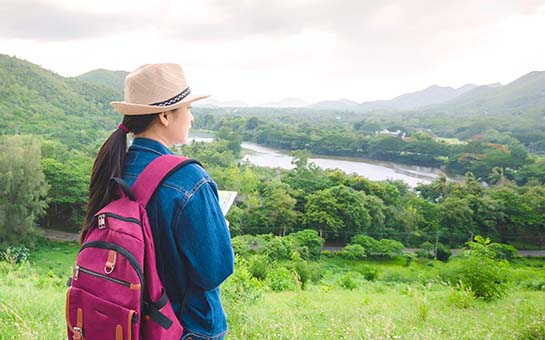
(192, 242)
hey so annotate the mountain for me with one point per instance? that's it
(213, 103)
(341, 105)
(525, 94)
(286, 102)
(36, 101)
(429, 96)
(112, 79)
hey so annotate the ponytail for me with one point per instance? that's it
(110, 162)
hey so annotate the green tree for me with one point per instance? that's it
(279, 206)
(23, 189)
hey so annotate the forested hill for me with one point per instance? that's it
(112, 79)
(37, 101)
(524, 95)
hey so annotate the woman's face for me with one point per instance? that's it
(178, 128)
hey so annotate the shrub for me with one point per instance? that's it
(278, 248)
(478, 270)
(426, 250)
(15, 254)
(281, 279)
(384, 248)
(310, 241)
(241, 287)
(443, 252)
(303, 271)
(353, 252)
(504, 251)
(347, 281)
(258, 266)
(370, 273)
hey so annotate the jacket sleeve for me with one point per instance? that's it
(203, 237)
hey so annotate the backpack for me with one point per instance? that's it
(115, 291)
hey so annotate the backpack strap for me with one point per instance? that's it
(155, 173)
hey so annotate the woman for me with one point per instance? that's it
(192, 242)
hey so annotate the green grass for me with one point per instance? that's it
(405, 302)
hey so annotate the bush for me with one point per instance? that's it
(370, 273)
(504, 251)
(258, 266)
(426, 250)
(347, 281)
(310, 240)
(303, 271)
(281, 279)
(278, 248)
(384, 248)
(15, 254)
(443, 252)
(241, 287)
(353, 252)
(478, 270)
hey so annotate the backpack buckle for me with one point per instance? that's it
(77, 333)
(110, 263)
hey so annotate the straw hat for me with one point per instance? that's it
(154, 88)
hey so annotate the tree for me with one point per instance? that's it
(280, 206)
(335, 209)
(68, 192)
(23, 188)
(456, 216)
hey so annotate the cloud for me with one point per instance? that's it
(41, 21)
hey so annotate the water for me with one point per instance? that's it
(371, 169)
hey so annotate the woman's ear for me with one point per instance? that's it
(163, 119)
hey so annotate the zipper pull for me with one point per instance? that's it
(76, 272)
(101, 221)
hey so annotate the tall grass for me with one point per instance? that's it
(399, 301)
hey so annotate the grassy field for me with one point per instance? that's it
(402, 303)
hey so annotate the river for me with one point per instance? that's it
(371, 169)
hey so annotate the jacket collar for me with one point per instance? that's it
(150, 145)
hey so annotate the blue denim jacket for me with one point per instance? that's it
(192, 242)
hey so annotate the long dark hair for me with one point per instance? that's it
(110, 162)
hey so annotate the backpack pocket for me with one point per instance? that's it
(89, 317)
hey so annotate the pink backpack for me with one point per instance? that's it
(115, 291)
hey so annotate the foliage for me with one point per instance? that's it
(15, 254)
(347, 281)
(384, 248)
(353, 252)
(308, 240)
(23, 188)
(281, 279)
(258, 266)
(479, 271)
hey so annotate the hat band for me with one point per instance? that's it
(174, 99)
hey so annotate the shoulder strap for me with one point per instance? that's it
(155, 173)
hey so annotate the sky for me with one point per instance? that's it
(261, 51)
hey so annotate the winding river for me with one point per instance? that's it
(371, 169)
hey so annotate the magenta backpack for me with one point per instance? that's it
(115, 291)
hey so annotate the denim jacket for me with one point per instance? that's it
(192, 243)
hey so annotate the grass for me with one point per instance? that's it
(404, 302)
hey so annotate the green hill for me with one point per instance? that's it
(37, 101)
(112, 79)
(524, 95)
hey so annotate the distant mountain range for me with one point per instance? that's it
(524, 93)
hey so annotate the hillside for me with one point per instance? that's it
(112, 79)
(524, 95)
(37, 101)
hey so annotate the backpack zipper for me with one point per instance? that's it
(130, 257)
(101, 220)
(81, 269)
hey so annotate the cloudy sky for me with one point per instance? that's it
(258, 51)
